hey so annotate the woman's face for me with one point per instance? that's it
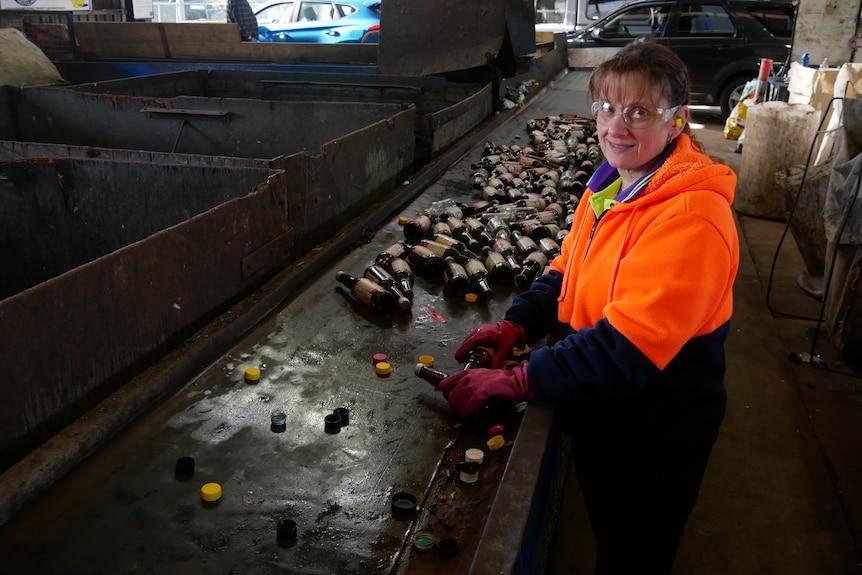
(634, 150)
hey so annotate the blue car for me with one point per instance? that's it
(318, 21)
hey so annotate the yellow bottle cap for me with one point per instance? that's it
(383, 368)
(471, 297)
(402, 221)
(211, 492)
(496, 442)
(427, 360)
(252, 374)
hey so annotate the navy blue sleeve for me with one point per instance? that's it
(536, 309)
(592, 363)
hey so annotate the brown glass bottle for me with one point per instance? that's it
(443, 250)
(403, 276)
(455, 278)
(550, 247)
(498, 269)
(480, 178)
(475, 208)
(417, 228)
(426, 260)
(478, 231)
(479, 278)
(429, 374)
(494, 195)
(479, 356)
(504, 247)
(532, 265)
(439, 227)
(459, 231)
(524, 245)
(384, 258)
(493, 410)
(386, 280)
(366, 291)
(457, 245)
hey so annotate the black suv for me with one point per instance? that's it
(721, 41)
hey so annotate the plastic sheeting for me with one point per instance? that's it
(842, 215)
(23, 64)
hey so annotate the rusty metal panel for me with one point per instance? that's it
(349, 175)
(208, 126)
(205, 41)
(445, 110)
(13, 150)
(183, 83)
(450, 124)
(127, 302)
(423, 38)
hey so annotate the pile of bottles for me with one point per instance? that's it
(507, 236)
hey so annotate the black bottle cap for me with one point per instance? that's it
(185, 467)
(344, 414)
(285, 530)
(447, 546)
(332, 423)
(403, 505)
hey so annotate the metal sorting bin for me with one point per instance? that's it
(127, 222)
(444, 110)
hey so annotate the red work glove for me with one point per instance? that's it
(468, 389)
(502, 336)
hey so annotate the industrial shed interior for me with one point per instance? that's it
(189, 388)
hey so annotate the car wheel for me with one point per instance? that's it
(732, 94)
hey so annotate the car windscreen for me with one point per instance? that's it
(777, 20)
(635, 22)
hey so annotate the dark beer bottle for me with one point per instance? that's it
(524, 245)
(397, 250)
(479, 356)
(455, 278)
(478, 231)
(366, 291)
(550, 247)
(429, 374)
(417, 228)
(479, 277)
(425, 259)
(498, 270)
(443, 250)
(533, 264)
(387, 281)
(403, 276)
(459, 231)
(504, 247)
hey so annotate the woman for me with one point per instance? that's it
(638, 306)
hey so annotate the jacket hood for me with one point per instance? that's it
(688, 168)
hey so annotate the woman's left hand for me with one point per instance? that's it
(470, 388)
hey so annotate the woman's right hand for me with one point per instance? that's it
(503, 336)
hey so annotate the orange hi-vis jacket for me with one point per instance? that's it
(644, 286)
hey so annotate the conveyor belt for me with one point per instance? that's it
(124, 510)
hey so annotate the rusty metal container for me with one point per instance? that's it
(128, 222)
(445, 110)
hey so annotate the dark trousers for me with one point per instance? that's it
(638, 513)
